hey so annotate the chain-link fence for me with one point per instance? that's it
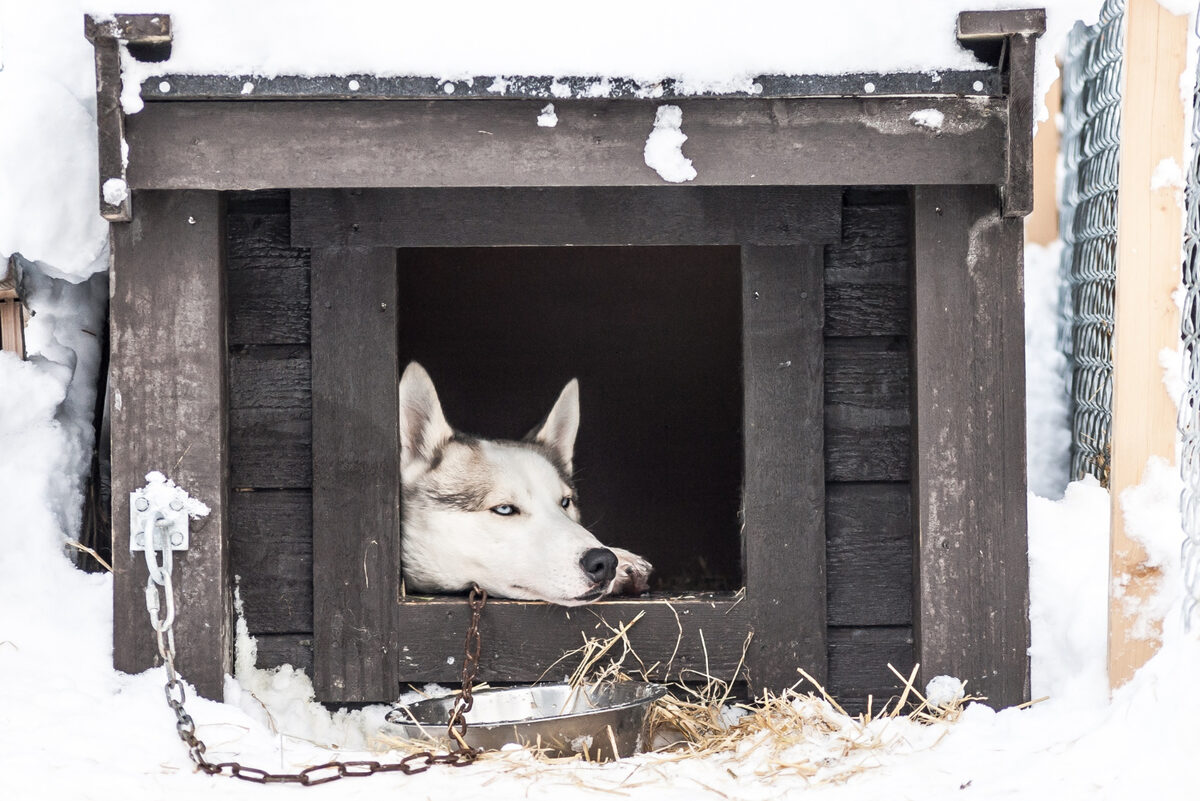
(1088, 227)
(1189, 406)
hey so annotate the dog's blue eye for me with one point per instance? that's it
(505, 509)
(566, 502)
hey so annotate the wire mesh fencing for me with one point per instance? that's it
(1091, 138)
(1189, 406)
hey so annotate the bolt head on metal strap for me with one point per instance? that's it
(171, 531)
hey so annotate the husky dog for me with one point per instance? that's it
(498, 513)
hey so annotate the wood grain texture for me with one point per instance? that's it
(858, 660)
(269, 306)
(271, 554)
(270, 448)
(524, 640)
(258, 145)
(868, 433)
(554, 216)
(783, 492)
(1146, 318)
(869, 553)
(867, 272)
(971, 610)
(355, 473)
(168, 414)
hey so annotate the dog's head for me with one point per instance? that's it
(501, 514)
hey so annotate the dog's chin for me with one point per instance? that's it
(526, 594)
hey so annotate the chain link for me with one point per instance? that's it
(1189, 405)
(160, 582)
(1091, 102)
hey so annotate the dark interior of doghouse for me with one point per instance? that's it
(654, 336)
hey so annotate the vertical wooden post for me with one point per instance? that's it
(783, 534)
(1041, 227)
(169, 414)
(1149, 247)
(356, 473)
(972, 577)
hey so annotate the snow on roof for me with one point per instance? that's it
(48, 210)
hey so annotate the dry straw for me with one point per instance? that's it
(801, 733)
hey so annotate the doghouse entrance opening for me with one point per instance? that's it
(654, 336)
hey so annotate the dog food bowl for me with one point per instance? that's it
(561, 720)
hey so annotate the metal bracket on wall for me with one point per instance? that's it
(1014, 32)
(149, 37)
(170, 525)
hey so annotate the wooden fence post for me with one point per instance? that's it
(1149, 244)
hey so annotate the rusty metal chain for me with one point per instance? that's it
(329, 771)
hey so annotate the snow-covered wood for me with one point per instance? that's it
(472, 143)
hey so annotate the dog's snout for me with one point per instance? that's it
(600, 564)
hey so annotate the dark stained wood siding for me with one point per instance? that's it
(868, 553)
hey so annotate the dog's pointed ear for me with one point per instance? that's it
(423, 426)
(562, 424)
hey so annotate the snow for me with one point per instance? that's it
(115, 191)
(944, 691)
(72, 726)
(664, 146)
(929, 118)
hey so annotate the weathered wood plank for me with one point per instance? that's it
(868, 554)
(275, 650)
(270, 377)
(270, 448)
(522, 640)
(858, 660)
(355, 473)
(971, 610)
(169, 414)
(783, 495)
(271, 553)
(867, 423)
(269, 306)
(554, 216)
(258, 145)
(867, 272)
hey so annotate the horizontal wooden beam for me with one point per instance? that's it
(553, 216)
(228, 145)
(523, 640)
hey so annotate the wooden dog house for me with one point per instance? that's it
(823, 331)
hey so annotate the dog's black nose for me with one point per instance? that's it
(600, 564)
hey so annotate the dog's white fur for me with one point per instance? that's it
(500, 514)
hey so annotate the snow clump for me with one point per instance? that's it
(547, 119)
(943, 691)
(664, 146)
(929, 118)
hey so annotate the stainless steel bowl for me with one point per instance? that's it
(562, 720)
